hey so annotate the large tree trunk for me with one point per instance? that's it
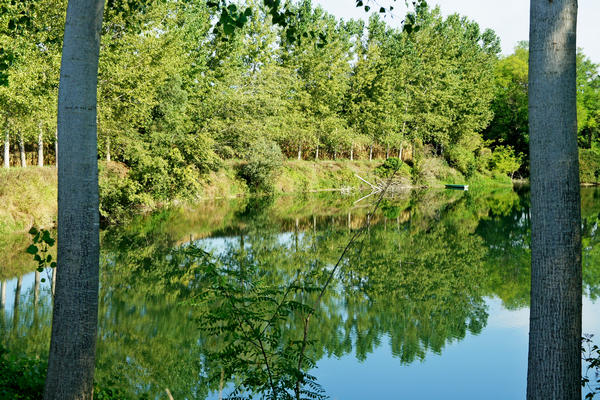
(554, 368)
(22, 150)
(40, 147)
(75, 315)
(7, 150)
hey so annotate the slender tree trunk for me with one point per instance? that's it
(22, 151)
(40, 147)
(2, 296)
(352, 152)
(387, 152)
(56, 148)
(400, 153)
(53, 285)
(7, 150)
(299, 152)
(16, 303)
(75, 314)
(554, 366)
(36, 288)
(317, 154)
(371, 153)
(108, 149)
(335, 154)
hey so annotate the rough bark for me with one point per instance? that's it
(7, 150)
(75, 314)
(22, 150)
(40, 147)
(554, 366)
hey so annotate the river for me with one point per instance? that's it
(430, 302)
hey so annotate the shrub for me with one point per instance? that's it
(21, 378)
(118, 193)
(505, 160)
(589, 166)
(389, 167)
(263, 162)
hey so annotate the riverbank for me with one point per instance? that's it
(28, 196)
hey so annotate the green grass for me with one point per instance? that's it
(27, 198)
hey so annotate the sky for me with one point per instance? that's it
(508, 18)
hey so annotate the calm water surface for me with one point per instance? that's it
(431, 303)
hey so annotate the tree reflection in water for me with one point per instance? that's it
(419, 278)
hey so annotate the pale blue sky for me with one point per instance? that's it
(508, 18)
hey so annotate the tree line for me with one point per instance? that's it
(179, 93)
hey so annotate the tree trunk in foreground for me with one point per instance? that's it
(75, 315)
(41, 148)
(554, 367)
(22, 150)
(7, 150)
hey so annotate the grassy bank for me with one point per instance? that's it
(28, 196)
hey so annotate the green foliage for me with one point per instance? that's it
(389, 167)
(118, 193)
(591, 358)
(248, 315)
(589, 165)
(505, 160)
(42, 241)
(263, 164)
(21, 378)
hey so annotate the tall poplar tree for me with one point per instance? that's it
(75, 314)
(554, 367)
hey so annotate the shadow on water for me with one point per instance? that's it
(420, 279)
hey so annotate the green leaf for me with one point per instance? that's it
(32, 249)
(53, 265)
(367, 8)
(33, 231)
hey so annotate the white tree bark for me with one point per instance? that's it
(40, 147)
(75, 315)
(22, 150)
(554, 366)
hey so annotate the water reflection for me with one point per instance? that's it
(419, 284)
